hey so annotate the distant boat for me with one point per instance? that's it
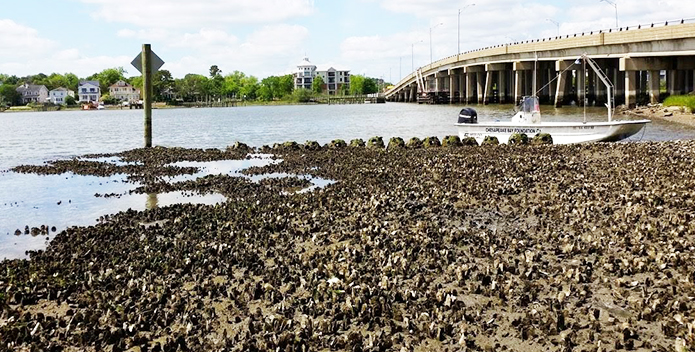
(528, 121)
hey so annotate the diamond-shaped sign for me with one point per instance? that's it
(155, 62)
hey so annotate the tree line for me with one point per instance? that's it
(190, 88)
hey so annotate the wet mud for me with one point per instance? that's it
(458, 248)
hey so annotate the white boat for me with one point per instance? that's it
(528, 121)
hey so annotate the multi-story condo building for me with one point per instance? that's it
(333, 79)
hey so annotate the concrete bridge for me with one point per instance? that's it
(636, 59)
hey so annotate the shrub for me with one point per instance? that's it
(686, 101)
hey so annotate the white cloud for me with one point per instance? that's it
(199, 13)
(260, 53)
(19, 42)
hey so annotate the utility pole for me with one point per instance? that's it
(458, 31)
(616, 10)
(437, 25)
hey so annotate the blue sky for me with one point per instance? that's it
(270, 37)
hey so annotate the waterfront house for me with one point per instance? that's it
(57, 96)
(88, 91)
(32, 93)
(123, 91)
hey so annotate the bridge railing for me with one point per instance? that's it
(531, 41)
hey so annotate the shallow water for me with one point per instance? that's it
(38, 136)
(70, 200)
(35, 137)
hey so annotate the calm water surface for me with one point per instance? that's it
(36, 137)
(66, 200)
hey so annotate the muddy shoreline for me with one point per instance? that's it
(517, 248)
(673, 114)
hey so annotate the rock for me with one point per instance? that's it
(396, 143)
(469, 141)
(238, 146)
(356, 143)
(375, 142)
(337, 143)
(312, 145)
(668, 114)
(414, 143)
(451, 141)
(490, 140)
(431, 142)
(518, 139)
(542, 138)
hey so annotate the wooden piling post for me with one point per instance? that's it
(147, 92)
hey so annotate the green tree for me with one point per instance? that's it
(70, 100)
(370, 86)
(356, 84)
(249, 88)
(215, 71)
(286, 85)
(162, 83)
(302, 95)
(9, 95)
(108, 77)
(317, 85)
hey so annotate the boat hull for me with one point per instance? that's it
(562, 133)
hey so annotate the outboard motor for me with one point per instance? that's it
(468, 115)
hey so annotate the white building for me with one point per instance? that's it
(333, 79)
(58, 95)
(304, 77)
(88, 91)
(123, 91)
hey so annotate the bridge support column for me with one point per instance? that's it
(480, 86)
(591, 89)
(502, 86)
(654, 86)
(488, 87)
(470, 80)
(599, 90)
(518, 86)
(630, 89)
(451, 88)
(619, 79)
(552, 86)
(581, 87)
(675, 80)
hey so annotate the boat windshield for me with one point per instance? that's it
(530, 104)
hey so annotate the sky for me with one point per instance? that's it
(376, 38)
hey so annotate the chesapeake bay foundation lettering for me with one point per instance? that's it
(512, 130)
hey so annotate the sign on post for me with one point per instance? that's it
(155, 62)
(147, 62)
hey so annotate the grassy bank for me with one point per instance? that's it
(687, 101)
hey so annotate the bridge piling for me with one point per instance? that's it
(654, 86)
(631, 89)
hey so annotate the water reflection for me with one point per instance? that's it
(67, 200)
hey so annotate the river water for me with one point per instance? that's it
(36, 137)
(65, 200)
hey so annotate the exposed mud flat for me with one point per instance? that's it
(518, 248)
